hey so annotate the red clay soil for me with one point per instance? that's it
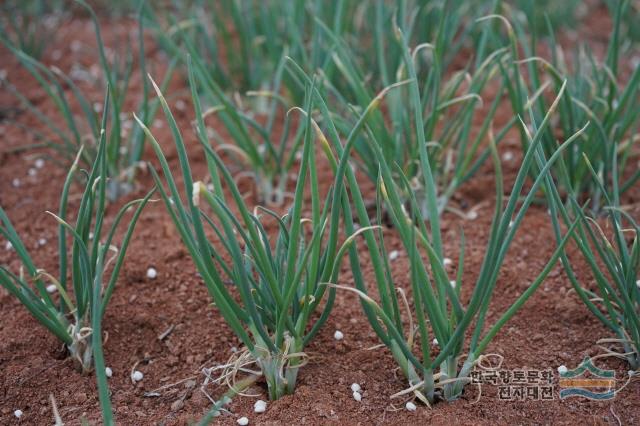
(553, 328)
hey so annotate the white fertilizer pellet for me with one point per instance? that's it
(137, 376)
(152, 273)
(260, 406)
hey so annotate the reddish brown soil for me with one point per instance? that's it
(554, 328)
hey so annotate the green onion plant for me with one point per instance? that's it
(279, 280)
(630, 33)
(66, 131)
(267, 157)
(83, 298)
(539, 13)
(448, 112)
(249, 139)
(454, 148)
(438, 309)
(30, 24)
(595, 92)
(241, 42)
(610, 247)
(613, 255)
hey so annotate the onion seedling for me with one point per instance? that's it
(540, 13)
(279, 280)
(617, 295)
(269, 162)
(77, 318)
(595, 92)
(454, 149)
(613, 256)
(629, 29)
(242, 42)
(69, 131)
(438, 308)
(30, 24)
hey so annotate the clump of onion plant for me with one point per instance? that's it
(615, 300)
(30, 24)
(279, 279)
(67, 131)
(595, 92)
(241, 43)
(612, 253)
(76, 317)
(437, 306)
(351, 75)
(449, 110)
(268, 158)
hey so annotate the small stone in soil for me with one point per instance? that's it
(410, 406)
(357, 396)
(8, 246)
(51, 288)
(42, 241)
(152, 273)
(39, 163)
(243, 421)
(16, 183)
(355, 387)
(18, 413)
(32, 172)
(447, 261)
(338, 335)
(177, 405)
(108, 372)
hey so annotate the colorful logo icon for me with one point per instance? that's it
(587, 381)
